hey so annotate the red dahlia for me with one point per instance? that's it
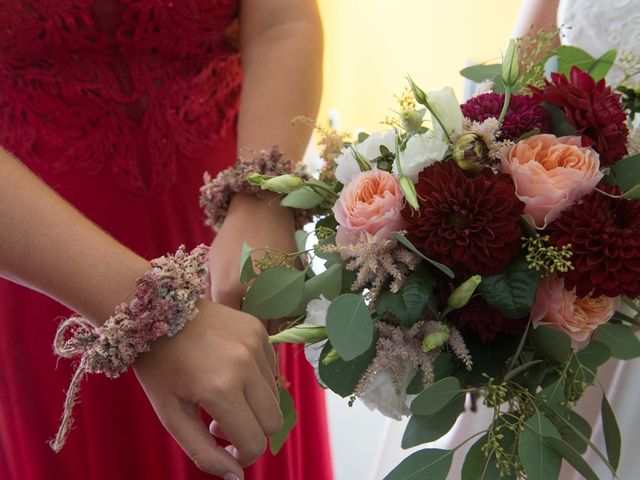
(466, 221)
(524, 115)
(604, 234)
(487, 322)
(593, 109)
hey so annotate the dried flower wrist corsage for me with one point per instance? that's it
(164, 301)
(268, 170)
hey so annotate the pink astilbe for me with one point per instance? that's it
(488, 131)
(377, 262)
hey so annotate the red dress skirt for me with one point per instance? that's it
(120, 106)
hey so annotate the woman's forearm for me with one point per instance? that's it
(535, 15)
(47, 245)
(281, 42)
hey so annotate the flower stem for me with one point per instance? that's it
(505, 106)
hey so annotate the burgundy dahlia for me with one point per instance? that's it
(487, 322)
(593, 109)
(524, 115)
(468, 221)
(604, 234)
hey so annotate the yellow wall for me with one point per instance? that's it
(370, 45)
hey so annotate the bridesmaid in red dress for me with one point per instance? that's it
(120, 106)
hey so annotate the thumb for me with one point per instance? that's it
(184, 423)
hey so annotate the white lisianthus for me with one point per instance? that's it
(421, 151)
(346, 164)
(382, 394)
(316, 315)
(446, 105)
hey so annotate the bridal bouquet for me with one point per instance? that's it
(484, 252)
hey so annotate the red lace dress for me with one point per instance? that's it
(120, 105)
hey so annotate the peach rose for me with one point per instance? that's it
(551, 174)
(369, 204)
(559, 308)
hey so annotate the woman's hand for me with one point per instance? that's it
(221, 361)
(258, 222)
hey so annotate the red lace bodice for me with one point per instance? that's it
(135, 85)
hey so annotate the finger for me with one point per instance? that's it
(241, 427)
(216, 430)
(184, 423)
(268, 369)
(265, 406)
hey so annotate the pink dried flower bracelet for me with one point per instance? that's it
(164, 301)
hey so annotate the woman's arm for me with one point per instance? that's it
(220, 361)
(281, 44)
(535, 15)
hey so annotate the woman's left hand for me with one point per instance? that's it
(258, 222)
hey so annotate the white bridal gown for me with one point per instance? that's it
(596, 26)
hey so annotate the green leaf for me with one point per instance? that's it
(330, 257)
(567, 452)
(478, 466)
(290, 417)
(626, 172)
(612, 440)
(436, 397)
(632, 194)
(443, 366)
(553, 396)
(522, 368)
(304, 198)
(301, 237)
(569, 435)
(422, 429)
(349, 325)
(246, 264)
(428, 464)
(540, 461)
(585, 362)
(404, 241)
(328, 284)
(620, 339)
(480, 73)
(598, 68)
(342, 377)
(275, 293)
(551, 344)
(408, 305)
(512, 292)
(559, 120)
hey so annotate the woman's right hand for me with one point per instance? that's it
(221, 361)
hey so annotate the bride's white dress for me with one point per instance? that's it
(596, 26)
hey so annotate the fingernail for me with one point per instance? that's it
(233, 451)
(231, 476)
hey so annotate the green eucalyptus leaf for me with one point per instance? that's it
(289, 415)
(304, 198)
(247, 271)
(477, 465)
(513, 292)
(428, 464)
(522, 368)
(342, 377)
(551, 344)
(569, 57)
(436, 397)
(553, 396)
(405, 242)
(540, 461)
(612, 439)
(620, 339)
(568, 433)
(349, 325)
(626, 172)
(427, 428)
(408, 305)
(574, 458)
(561, 124)
(328, 284)
(275, 293)
(481, 72)
(330, 257)
(631, 194)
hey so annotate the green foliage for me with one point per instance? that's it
(513, 292)
(328, 284)
(477, 465)
(559, 120)
(551, 344)
(275, 293)
(539, 459)
(626, 172)
(341, 376)
(404, 241)
(481, 72)
(349, 326)
(566, 451)
(246, 264)
(290, 417)
(428, 464)
(598, 68)
(612, 439)
(408, 305)
(427, 428)
(620, 339)
(436, 397)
